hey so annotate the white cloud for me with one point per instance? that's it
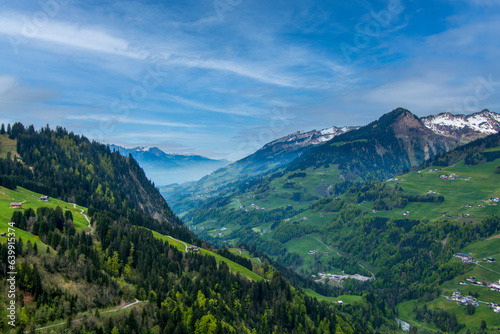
(22, 29)
(7, 82)
(431, 93)
(236, 68)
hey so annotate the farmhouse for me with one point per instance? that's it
(16, 205)
(193, 249)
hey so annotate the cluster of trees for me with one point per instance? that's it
(444, 321)
(327, 204)
(247, 263)
(289, 230)
(44, 221)
(386, 197)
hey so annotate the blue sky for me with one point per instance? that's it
(222, 78)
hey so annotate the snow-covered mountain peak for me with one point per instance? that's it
(467, 127)
(301, 139)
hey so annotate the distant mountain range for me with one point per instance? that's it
(163, 168)
(398, 140)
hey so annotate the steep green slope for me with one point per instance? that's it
(233, 267)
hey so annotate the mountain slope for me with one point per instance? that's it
(396, 141)
(106, 180)
(272, 156)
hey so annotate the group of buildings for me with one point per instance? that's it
(466, 258)
(19, 205)
(463, 300)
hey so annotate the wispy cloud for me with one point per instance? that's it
(238, 110)
(66, 34)
(127, 120)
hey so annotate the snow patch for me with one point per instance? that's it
(485, 122)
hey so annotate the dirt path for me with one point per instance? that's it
(79, 319)
(85, 216)
(185, 245)
(494, 237)
(487, 268)
(321, 242)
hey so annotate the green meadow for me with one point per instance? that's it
(30, 199)
(346, 299)
(484, 272)
(483, 186)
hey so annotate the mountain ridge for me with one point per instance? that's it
(464, 127)
(399, 136)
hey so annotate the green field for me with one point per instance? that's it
(482, 186)
(346, 299)
(307, 243)
(32, 200)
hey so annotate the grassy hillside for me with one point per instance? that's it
(475, 186)
(32, 200)
(346, 299)
(234, 267)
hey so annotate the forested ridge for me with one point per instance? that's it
(63, 165)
